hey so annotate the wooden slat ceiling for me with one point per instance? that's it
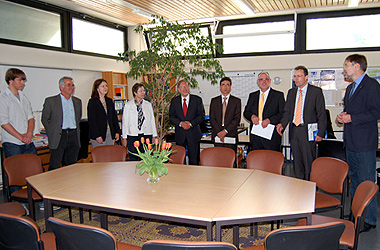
(199, 9)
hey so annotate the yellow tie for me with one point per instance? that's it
(297, 119)
(224, 108)
(261, 107)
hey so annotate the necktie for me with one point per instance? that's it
(261, 107)
(224, 108)
(352, 89)
(297, 120)
(184, 107)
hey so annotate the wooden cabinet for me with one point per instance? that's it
(117, 85)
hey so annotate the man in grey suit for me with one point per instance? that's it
(304, 107)
(61, 115)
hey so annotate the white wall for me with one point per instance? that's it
(85, 68)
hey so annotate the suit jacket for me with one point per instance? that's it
(52, 117)
(195, 115)
(273, 110)
(130, 119)
(361, 134)
(231, 119)
(313, 112)
(98, 118)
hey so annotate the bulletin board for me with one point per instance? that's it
(243, 83)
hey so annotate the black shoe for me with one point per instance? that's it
(367, 227)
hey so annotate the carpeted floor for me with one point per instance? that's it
(137, 231)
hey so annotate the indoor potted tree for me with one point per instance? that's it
(176, 51)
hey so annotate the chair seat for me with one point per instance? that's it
(23, 194)
(49, 241)
(125, 246)
(12, 208)
(348, 236)
(325, 201)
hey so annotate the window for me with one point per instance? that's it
(258, 37)
(95, 38)
(342, 32)
(27, 24)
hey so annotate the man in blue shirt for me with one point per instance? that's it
(360, 115)
(61, 115)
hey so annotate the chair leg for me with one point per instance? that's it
(70, 215)
(251, 229)
(89, 214)
(81, 219)
(272, 225)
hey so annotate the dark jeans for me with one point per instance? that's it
(67, 151)
(363, 167)
(11, 149)
(131, 148)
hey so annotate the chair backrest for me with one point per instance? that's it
(19, 233)
(329, 174)
(178, 155)
(331, 148)
(363, 196)
(316, 237)
(186, 245)
(70, 236)
(109, 153)
(218, 157)
(265, 160)
(19, 167)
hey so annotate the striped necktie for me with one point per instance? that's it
(297, 119)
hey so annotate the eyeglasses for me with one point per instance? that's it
(264, 79)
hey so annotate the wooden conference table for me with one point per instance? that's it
(194, 195)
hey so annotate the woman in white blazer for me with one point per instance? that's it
(138, 121)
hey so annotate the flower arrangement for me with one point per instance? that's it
(152, 160)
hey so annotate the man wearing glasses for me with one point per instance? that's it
(265, 107)
(305, 111)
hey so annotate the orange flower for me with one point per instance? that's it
(142, 139)
(156, 141)
(168, 145)
(147, 141)
(149, 145)
(136, 144)
(163, 145)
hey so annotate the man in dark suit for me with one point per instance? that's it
(265, 105)
(225, 115)
(304, 107)
(61, 115)
(360, 115)
(186, 112)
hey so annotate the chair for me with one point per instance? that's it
(331, 148)
(82, 237)
(22, 233)
(265, 160)
(218, 157)
(178, 155)
(17, 169)
(325, 236)
(268, 161)
(364, 194)
(186, 245)
(109, 153)
(106, 153)
(12, 208)
(329, 174)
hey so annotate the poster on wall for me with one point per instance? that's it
(333, 83)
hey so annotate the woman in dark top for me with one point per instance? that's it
(102, 119)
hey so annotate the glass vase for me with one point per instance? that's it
(153, 177)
